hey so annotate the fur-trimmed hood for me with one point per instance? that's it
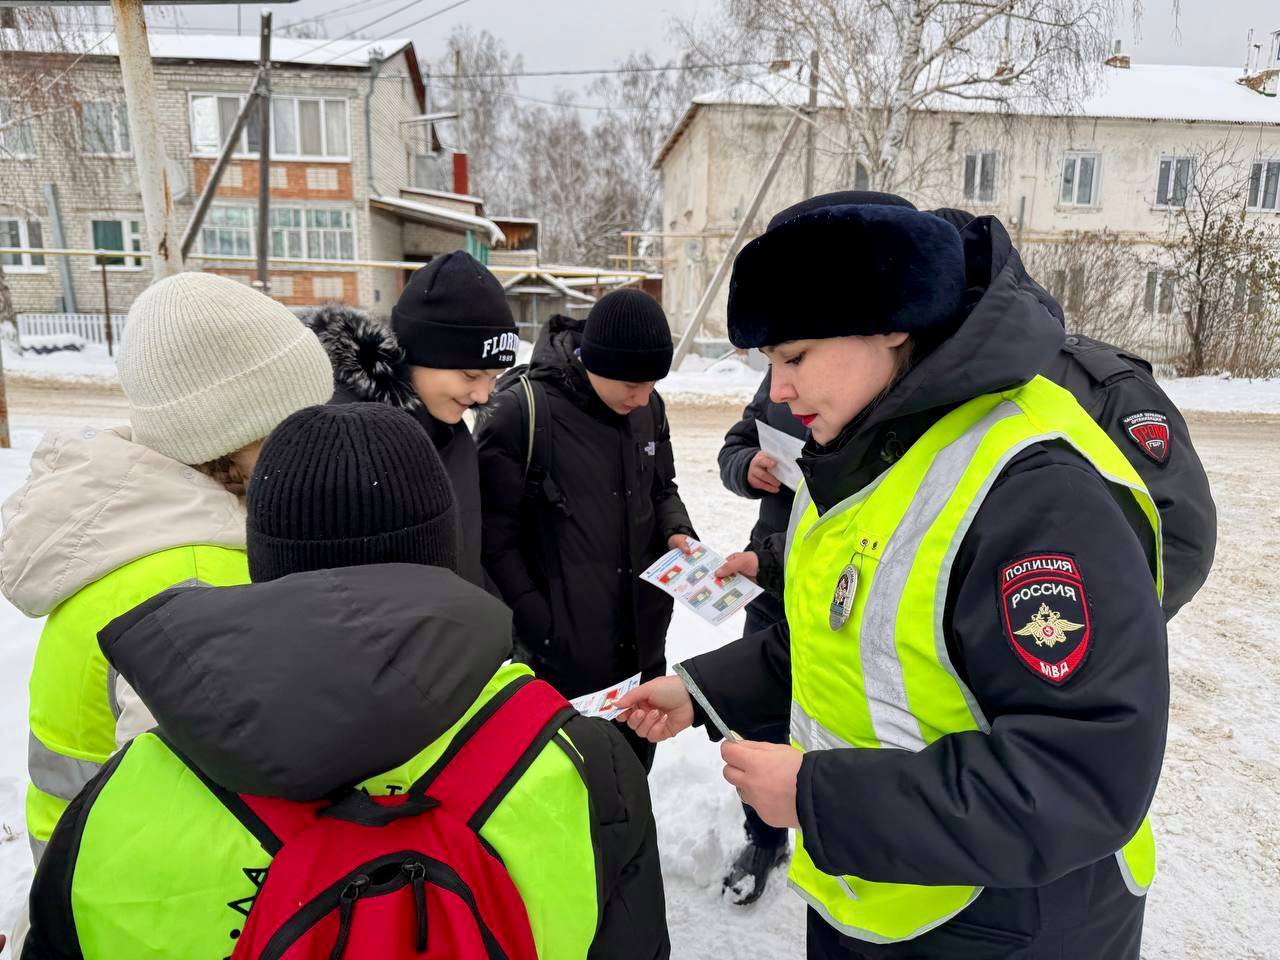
(368, 364)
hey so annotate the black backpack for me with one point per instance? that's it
(535, 414)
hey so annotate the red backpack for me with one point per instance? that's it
(405, 876)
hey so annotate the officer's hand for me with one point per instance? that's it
(746, 563)
(765, 775)
(678, 541)
(657, 710)
(758, 474)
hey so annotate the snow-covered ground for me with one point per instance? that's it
(1217, 812)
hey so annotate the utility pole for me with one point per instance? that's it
(144, 128)
(106, 309)
(722, 269)
(264, 151)
(810, 133)
(7, 315)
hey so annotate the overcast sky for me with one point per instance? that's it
(576, 34)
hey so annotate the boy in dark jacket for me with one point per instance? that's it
(451, 335)
(357, 662)
(567, 535)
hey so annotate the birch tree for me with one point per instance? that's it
(882, 63)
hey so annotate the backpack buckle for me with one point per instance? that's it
(360, 808)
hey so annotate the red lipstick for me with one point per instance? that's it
(806, 418)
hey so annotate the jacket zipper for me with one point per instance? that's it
(415, 870)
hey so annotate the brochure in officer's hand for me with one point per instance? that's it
(601, 703)
(690, 578)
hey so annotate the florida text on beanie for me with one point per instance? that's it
(346, 485)
(454, 315)
(852, 270)
(210, 365)
(626, 337)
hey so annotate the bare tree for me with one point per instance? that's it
(1097, 279)
(884, 62)
(474, 78)
(1225, 262)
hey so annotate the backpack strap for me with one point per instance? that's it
(244, 808)
(539, 476)
(495, 748)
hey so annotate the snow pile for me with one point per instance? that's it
(730, 378)
(88, 362)
(1224, 394)
(53, 343)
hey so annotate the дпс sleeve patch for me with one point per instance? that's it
(1150, 431)
(1045, 614)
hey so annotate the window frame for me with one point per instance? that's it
(302, 227)
(24, 240)
(1160, 284)
(1262, 168)
(1095, 186)
(243, 150)
(7, 151)
(119, 113)
(131, 232)
(1173, 160)
(979, 157)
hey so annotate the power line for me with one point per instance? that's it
(342, 12)
(387, 16)
(603, 108)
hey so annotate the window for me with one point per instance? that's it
(21, 233)
(104, 128)
(980, 176)
(301, 127)
(327, 288)
(123, 235)
(1068, 287)
(861, 176)
(1161, 292)
(1263, 182)
(329, 235)
(1248, 295)
(212, 119)
(286, 232)
(228, 230)
(1080, 176)
(1174, 182)
(297, 232)
(15, 141)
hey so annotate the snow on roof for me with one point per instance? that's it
(429, 213)
(1142, 92)
(208, 46)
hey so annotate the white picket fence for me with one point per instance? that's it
(88, 326)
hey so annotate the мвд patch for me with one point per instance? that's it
(1046, 614)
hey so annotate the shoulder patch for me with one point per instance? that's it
(1150, 431)
(1045, 614)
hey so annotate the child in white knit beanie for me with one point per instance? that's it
(109, 518)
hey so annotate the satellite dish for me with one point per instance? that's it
(693, 249)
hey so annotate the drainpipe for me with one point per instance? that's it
(59, 241)
(375, 67)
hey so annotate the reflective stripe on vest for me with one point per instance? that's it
(73, 708)
(55, 773)
(885, 678)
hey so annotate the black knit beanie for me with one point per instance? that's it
(957, 218)
(626, 337)
(346, 485)
(454, 315)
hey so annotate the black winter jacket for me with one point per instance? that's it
(1035, 809)
(305, 686)
(369, 366)
(569, 569)
(741, 444)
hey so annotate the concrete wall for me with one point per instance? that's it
(712, 172)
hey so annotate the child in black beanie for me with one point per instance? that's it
(569, 526)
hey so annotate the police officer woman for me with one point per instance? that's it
(975, 672)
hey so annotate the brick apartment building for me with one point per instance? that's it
(350, 179)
